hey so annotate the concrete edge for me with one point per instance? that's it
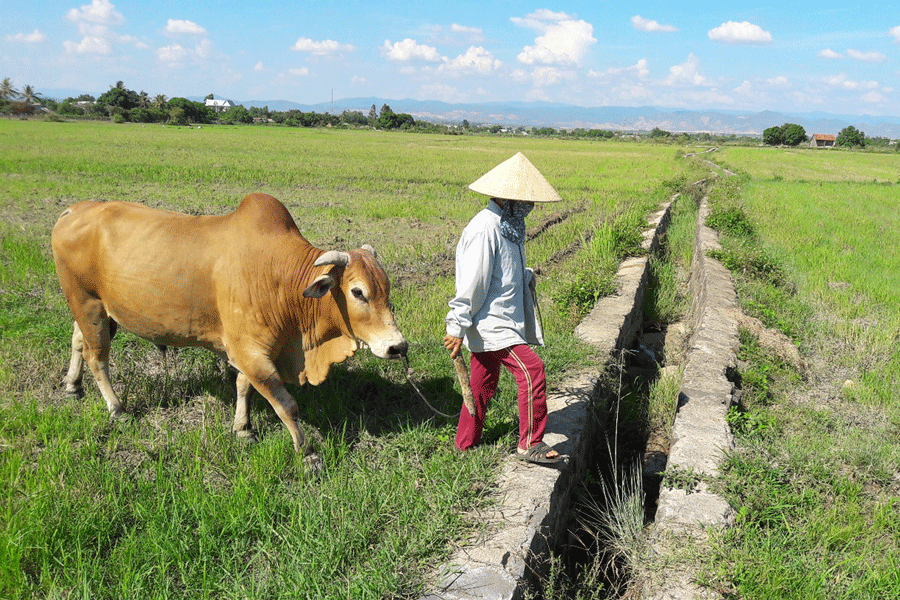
(534, 505)
(700, 434)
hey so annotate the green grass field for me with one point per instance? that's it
(815, 480)
(171, 505)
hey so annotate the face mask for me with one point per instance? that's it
(512, 220)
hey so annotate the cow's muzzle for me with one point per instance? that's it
(398, 350)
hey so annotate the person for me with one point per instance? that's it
(493, 311)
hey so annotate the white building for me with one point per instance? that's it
(219, 105)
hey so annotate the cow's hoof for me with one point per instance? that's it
(246, 435)
(119, 416)
(74, 393)
(314, 463)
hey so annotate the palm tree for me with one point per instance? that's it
(144, 99)
(29, 96)
(7, 91)
(160, 101)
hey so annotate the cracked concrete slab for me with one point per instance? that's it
(700, 434)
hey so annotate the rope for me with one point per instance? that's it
(419, 392)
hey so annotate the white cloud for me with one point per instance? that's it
(178, 55)
(780, 81)
(457, 35)
(873, 98)
(895, 32)
(540, 77)
(300, 72)
(323, 48)
(546, 76)
(866, 56)
(409, 50)
(565, 40)
(177, 26)
(830, 54)
(34, 37)
(740, 33)
(642, 24)
(745, 88)
(88, 45)
(639, 69)
(98, 12)
(476, 60)
(519, 76)
(259, 66)
(173, 53)
(840, 81)
(94, 22)
(687, 73)
(461, 29)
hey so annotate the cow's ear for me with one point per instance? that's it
(320, 286)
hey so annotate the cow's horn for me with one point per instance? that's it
(369, 248)
(333, 257)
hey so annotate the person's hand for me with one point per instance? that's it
(453, 344)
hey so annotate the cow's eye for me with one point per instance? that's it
(358, 294)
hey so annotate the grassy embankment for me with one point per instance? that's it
(811, 239)
(170, 505)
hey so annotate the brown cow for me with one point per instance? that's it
(246, 285)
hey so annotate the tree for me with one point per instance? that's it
(373, 115)
(29, 95)
(119, 97)
(788, 134)
(236, 114)
(177, 116)
(793, 135)
(8, 92)
(354, 117)
(194, 112)
(772, 136)
(850, 136)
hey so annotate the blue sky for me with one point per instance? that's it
(803, 56)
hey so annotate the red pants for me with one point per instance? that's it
(528, 369)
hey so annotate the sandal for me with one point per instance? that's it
(538, 454)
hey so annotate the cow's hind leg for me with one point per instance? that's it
(242, 427)
(97, 330)
(75, 374)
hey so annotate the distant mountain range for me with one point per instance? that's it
(615, 118)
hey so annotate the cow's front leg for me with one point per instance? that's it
(268, 383)
(242, 427)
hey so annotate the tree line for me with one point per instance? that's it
(125, 105)
(791, 134)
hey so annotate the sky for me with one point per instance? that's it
(797, 57)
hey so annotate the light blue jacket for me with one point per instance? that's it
(494, 304)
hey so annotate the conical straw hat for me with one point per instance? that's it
(516, 179)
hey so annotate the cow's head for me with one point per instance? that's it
(362, 294)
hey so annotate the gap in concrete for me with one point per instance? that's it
(621, 406)
(621, 399)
